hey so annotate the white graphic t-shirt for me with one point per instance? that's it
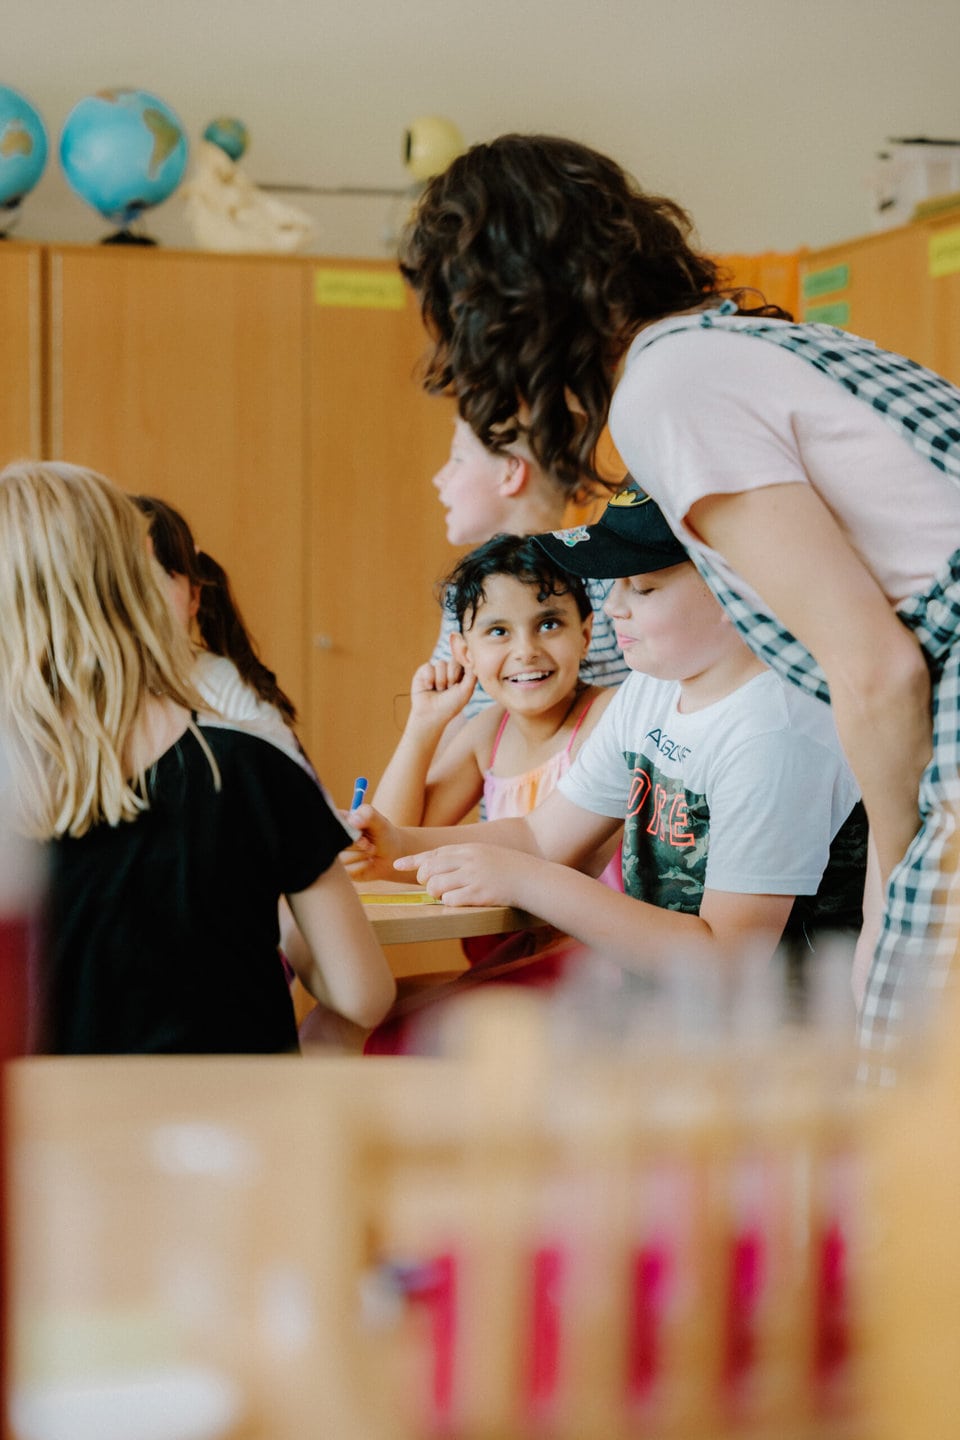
(745, 795)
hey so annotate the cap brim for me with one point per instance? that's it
(595, 553)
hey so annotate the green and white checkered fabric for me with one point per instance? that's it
(921, 926)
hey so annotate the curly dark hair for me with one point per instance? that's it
(463, 591)
(535, 261)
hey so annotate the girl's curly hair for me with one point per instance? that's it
(535, 261)
(463, 591)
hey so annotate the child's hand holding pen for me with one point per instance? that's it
(372, 854)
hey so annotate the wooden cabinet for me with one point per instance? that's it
(21, 324)
(283, 417)
(943, 271)
(182, 376)
(376, 542)
(775, 275)
(898, 287)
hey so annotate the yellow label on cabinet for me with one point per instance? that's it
(359, 289)
(945, 253)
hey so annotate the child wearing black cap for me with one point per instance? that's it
(741, 816)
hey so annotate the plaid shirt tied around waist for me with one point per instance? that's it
(916, 949)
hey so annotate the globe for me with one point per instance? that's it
(230, 134)
(429, 145)
(23, 148)
(123, 151)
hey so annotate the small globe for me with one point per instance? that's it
(230, 134)
(23, 147)
(123, 151)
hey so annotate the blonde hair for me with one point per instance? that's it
(86, 635)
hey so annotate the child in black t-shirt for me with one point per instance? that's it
(171, 835)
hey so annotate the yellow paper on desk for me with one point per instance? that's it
(402, 897)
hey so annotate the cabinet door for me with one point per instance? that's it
(21, 398)
(377, 534)
(876, 286)
(181, 375)
(942, 240)
(900, 288)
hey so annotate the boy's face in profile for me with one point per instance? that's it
(471, 489)
(668, 623)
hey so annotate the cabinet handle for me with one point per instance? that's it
(323, 642)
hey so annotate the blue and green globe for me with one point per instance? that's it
(123, 151)
(230, 134)
(23, 147)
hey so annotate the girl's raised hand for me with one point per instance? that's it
(438, 692)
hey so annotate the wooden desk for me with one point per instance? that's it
(409, 921)
(435, 928)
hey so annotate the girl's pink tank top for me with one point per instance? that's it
(506, 796)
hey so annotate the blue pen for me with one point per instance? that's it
(359, 790)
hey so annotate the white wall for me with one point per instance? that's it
(761, 116)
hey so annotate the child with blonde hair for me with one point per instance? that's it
(171, 834)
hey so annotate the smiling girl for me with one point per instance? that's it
(523, 628)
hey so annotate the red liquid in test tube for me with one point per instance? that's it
(543, 1361)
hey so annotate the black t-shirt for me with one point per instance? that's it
(162, 933)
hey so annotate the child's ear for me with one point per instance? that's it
(458, 649)
(515, 475)
(586, 631)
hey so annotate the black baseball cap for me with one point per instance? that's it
(630, 538)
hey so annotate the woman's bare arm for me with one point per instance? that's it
(786, 544)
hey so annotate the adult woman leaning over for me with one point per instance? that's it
(814, 478)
